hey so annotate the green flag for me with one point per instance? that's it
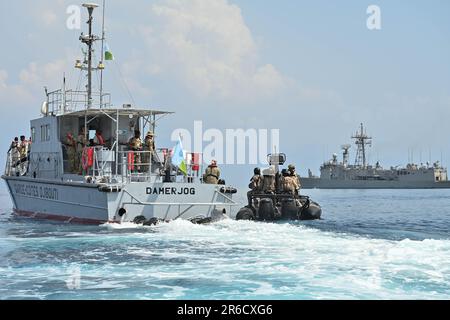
(108, 53)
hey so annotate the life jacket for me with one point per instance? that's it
(100, 139)
(212, 175)
(195, 162)
(130, 161)
(136, 144)
(149, 144)
(87, 158)
(269, 183)
(290, 184)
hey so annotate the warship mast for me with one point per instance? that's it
(362, 141)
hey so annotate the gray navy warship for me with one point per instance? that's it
(361, 175)
(114, 187)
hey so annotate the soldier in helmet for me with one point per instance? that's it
(212, 173)
(135, 144)
(291, 182)
(256, 185)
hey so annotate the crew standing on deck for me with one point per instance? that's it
(135, 144)
(82, 143)
(71, 145)
(99, 141)
(14, 151)
(212, 173)
(256, 184)
(149, 148)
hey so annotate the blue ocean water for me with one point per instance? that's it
(378, 244)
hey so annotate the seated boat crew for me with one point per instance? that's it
(275, 196)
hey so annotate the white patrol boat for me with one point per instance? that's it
(113, 187)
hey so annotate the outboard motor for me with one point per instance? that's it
(246, 213)
(289, 209)
(311, 212)
(266, 210)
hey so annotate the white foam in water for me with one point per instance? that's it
(290, 261)
(240, 260)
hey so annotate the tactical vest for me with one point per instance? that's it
(212, 175)
(269, 184)
(136, 144)
(150, 144)
(256, 183)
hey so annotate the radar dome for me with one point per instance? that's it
(44, 108)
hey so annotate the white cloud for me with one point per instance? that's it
(10, 94)
(207, 46)
(28, 90)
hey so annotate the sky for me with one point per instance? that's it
(311, 69)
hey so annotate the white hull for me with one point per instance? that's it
(96, 204)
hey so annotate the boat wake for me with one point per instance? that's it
(224, 260)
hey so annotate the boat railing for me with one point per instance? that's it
(9, 165)
(61, 102)
(139, 166)
(44, 164)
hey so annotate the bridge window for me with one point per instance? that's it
(33, 134)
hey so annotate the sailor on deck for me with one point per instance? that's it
(149, 148)
(82, 142)
(135, 144)
(14, 151)
(99, 141)
(212, 173)
(71, 145)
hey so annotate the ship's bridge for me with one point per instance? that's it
(51, 154)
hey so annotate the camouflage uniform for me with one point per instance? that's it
(15, 153)
(256, 184)
(82, 142)
(23, 154)
(269, 184)
(136, 145)
(212, 175)
(292, 183)
(149, 147)
(72, 154)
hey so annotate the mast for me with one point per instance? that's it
(103, 55)
(89, 41)
(362, 141)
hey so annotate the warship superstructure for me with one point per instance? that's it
(362, 175)
(114, 187)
